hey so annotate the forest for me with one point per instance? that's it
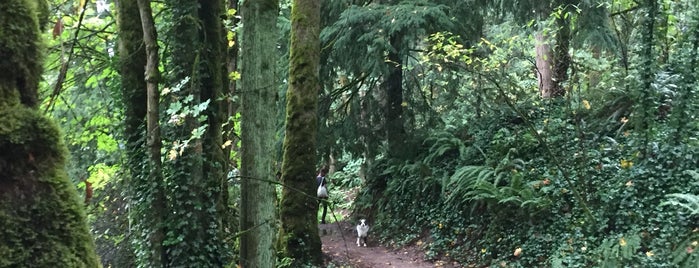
(483, 133)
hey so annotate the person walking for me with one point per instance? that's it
(322, 181)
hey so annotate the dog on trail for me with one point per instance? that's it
(362, 232)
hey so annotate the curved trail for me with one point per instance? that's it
(344, 252)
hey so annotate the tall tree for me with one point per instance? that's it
(374, 42)
(157, 209)
(147, 202)
(299, 232)
(552, 43)
(197, 168)
(259, 96)
(43, 222)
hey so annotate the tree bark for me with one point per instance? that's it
(259, 96)
(299, 232)
(552, 64)
(395, 130)
(132, 56)
(157, 209)
(215, 166)
(544, 69)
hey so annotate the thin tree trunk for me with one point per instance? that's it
(133, 60)
(300, 239)
(152, 76)
(259, 96)
(232, 67)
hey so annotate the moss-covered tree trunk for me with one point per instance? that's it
(42, 222)
(544, 65)
(299, 232)
(259, 97)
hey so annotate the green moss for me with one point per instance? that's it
(20, 47)
(43, 221)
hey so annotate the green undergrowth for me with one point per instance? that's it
(494, 194)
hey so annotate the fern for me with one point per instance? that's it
(618, 251)
(690, 202)
(478, 185)
(684, 255)
(442, 143)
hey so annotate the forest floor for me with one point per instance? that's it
(340, 250)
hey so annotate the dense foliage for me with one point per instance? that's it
(433, 109)
(504, 177)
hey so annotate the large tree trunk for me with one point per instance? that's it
(259, 96)
(395, 131)
(42, 219)
(198, 169)
(215, 166)
(544, 65)
(299, 233)
(552, 64)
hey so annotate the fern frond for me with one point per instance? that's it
(690, 202)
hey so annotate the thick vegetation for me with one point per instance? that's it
(518, 133)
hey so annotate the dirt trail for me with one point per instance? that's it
(345, 252)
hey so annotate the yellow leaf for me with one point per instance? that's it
(226, 144)
(586, 104)
(649, 253)
(626, 163)
(172, 154)
(622, 242)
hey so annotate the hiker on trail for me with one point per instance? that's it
(321, 182)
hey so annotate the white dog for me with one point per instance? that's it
(362, 232)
